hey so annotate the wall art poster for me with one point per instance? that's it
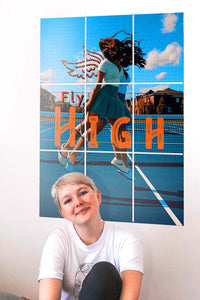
(111, 107)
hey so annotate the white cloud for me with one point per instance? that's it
(170, 56)
(89, 80)
(48, 76)
(161, 75)
(169, 22)
(155, 88)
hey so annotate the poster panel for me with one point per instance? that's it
(148, 137)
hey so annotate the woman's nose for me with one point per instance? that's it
(78, 201)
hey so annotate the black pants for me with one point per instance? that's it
(103, 282)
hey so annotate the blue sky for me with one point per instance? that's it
(63, 39)
(160, 36)
(163, 46)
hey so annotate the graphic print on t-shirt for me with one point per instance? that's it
(81, 273)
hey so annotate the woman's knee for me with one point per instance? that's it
(102, 282)
(105, 268)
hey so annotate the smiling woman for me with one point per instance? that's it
(88, 258)
(70, 179)
(79, 203)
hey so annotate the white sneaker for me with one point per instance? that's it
(63, 159)
(127, 175)
(119, 164)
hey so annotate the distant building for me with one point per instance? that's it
(148, 103)
(46, 99)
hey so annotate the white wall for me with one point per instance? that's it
(171, 253)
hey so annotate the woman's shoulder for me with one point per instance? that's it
(61, 235)
(120, 233)
(104, 63)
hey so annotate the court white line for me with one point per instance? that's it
(160, 199)
(111, 151)
(159, 153)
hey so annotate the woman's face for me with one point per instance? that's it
(79, 203)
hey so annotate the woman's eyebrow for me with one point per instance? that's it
(65, 197)
(69, 194)
(82, 187)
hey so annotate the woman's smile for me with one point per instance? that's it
(82, 211)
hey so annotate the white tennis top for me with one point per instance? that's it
(112, 73)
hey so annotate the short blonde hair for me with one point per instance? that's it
(72, 179)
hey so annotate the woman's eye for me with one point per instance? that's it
(83, 193)
(67, 201)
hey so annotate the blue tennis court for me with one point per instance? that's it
(155, 195)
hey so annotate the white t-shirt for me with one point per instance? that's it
(67, 258)
(112, 73)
